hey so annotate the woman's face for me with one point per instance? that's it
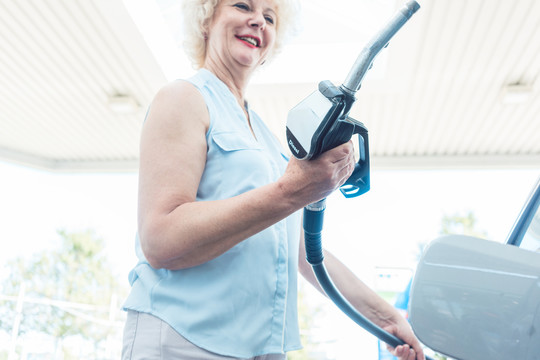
(242, 32)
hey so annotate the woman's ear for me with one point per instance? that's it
(205, 29)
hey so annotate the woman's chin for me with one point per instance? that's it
(249, 61)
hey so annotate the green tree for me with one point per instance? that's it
(67, 291)
(461, 225)
(457, 224)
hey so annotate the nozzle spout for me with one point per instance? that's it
(378, 42)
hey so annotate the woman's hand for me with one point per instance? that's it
(313, 180)
(365, 301)
(412, 350)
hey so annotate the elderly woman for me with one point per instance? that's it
(219, 237)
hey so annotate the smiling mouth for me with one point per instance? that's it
(250, 40)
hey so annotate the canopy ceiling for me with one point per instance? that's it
(458, 86)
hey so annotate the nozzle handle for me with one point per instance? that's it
(378, 42)
(359, 181)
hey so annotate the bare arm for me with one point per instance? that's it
(178, 232)
(364, 300)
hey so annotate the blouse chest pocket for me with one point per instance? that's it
(240, 160)
(234, 141)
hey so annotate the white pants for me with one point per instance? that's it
(150, 338)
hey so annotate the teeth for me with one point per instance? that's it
(252, 41)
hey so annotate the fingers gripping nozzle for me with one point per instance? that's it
(321, 122)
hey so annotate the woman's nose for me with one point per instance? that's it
(257, 20)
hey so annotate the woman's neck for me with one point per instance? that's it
(236, 79)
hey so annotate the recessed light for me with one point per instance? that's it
(516, 93)
(123, 104)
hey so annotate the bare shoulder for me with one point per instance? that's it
(178, 89)
(176, 125)
(179, 101)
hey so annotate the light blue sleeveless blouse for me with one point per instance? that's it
(244, 302)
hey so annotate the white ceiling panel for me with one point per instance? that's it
(436, 99)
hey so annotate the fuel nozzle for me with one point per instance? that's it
(364, 62)
(321, 121)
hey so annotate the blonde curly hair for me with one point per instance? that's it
(197, 14)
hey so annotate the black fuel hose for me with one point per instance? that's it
(313, 225)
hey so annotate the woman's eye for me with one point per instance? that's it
(241, 6)
(269, 19)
